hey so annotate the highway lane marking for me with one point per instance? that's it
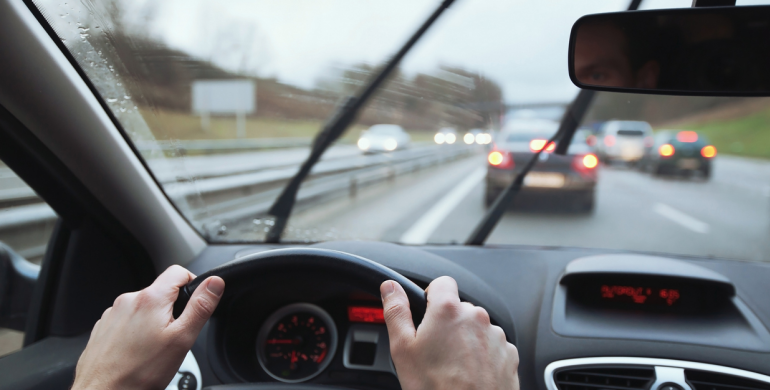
(681, 218)
(427, 224)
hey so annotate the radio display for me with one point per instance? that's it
(646, 293)
(640, 295)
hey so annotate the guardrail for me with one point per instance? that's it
(225, 145)
(214, 202)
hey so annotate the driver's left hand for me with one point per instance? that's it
(138, 344)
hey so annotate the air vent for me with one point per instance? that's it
(605, 378)
(706, 380)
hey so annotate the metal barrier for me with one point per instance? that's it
(228, 195)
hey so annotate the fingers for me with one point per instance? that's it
(201, 306)
(443, 297)
(168, 283)
(398, 315)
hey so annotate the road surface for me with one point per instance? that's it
(727, 216)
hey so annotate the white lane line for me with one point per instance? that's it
(427, 224)
(681, 218)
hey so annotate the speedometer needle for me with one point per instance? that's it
(280, 341)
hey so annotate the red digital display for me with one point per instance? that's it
(370, 315)
(641, 295)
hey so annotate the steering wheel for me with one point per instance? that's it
(359, 272)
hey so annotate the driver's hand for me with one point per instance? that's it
(138, 344)
(455, 346)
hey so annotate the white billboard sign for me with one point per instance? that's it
(223, 96)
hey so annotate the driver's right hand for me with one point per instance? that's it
(455, 346)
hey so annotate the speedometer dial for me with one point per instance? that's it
(296, 342)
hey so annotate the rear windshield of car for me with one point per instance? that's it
(525, 137)
(631, 133)
(385, 129)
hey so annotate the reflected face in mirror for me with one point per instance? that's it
(601, 58)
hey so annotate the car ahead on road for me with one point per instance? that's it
(664, 288)
(446, 136)
(680, 153)
(569, 179)
(624, 141)
(383, 138)
(478, 137)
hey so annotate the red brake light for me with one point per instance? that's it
(666, 150)
(372, 315)
(590, 161)
(609, 140)
(591, 140)
(708, 151)
(537, 144)
(500, 159)
(687, 136)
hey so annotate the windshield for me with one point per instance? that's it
(222, 99)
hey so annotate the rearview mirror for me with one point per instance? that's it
(718, 51)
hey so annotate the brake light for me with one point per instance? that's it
(708, 151)
(590, 161)
(500, 159)
(591, 140)
(537, 144)
(687, 136)
(609, 140)
(666, 150)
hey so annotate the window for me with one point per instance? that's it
(26, 223)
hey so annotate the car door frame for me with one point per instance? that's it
(117, 229)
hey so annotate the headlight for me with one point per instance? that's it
(390, 144)
(439, 138)
(480, 138)
(364, 144)
(468, 138)
(450, 138)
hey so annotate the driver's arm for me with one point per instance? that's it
(455, 346)
(138, 344)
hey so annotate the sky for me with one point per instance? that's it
(521, 44)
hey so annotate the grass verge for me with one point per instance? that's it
(743, 136)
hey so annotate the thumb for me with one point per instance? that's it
(201, 306)
(398, 316)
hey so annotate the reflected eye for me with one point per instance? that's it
(598, 76)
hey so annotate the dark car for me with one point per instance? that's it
(572, 176)
(680, 153)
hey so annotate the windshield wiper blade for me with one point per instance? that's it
(569, 123)
(335, 127)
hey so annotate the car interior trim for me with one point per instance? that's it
(376, 334)
(657, 363)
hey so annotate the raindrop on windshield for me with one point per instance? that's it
(112, 100)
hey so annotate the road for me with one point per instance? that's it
(726, 217)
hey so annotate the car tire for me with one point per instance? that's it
(587, 202)
(706, 172)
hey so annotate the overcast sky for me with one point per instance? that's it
(521, 44)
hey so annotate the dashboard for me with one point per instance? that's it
(580, 319)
